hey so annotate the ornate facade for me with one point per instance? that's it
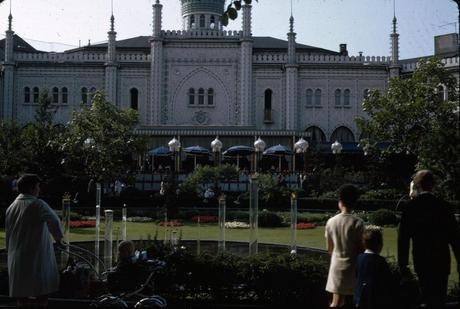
(203, 81)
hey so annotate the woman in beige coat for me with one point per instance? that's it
(32, 267)
(344, 243)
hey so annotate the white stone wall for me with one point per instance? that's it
(191, 65)
(197, 67)
(138, 78)
(328, 116)
(46, 77)
(272, 78)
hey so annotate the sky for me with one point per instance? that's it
(364, 25)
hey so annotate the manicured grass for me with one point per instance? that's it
(309, 238)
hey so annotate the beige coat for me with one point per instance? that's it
(345, 231)
(32, 267)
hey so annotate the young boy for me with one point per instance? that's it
(374, 277)
(128, 273)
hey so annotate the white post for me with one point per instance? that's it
(165, 226)
(174, 239)
(198, 239)
(97, 239)
(222, 210)
(66, 226)
(123, 222)
(293, 223)
(253, 215)
(98, 194)
(108, 238)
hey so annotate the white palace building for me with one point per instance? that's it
(202, 81)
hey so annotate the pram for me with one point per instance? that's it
(81, 269)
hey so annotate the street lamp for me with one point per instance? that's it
(216, 146)
(259, 146)
(336, 147)
(301, 147)
(174, 146)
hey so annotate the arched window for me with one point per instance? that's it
(201, 96)
(346, 97)
(55, 95)
(268, 105)
(192, 22)
(309, 97)
(36, 94)
(316, 134)
(212, 24)
(84, 95)
(342, 134)
(202, 21)
(338, 94)
(442, 93)
(210, 96)
(134, 94)
(26, 95)
(191, 96)
(318, 97)
(65, 95)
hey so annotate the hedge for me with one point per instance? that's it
(281, 280)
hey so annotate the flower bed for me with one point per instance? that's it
(171, 223)
(305, 226)
(236, 225)
(205, 219)
(139, 219)
(82, 224)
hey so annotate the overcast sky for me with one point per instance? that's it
(364, 25)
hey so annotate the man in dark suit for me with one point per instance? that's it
(430, 223)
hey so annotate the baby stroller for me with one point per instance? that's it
(82, 272)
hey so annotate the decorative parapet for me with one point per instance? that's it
(451, 62)
(78, 57)
(134, 58)
(200, 34)
(60, 57)
(305, 59)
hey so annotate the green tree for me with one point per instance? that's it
(232, 10)
(414, 117)
(209, 175)
(101, 141)
(14, 149)
(44, 138)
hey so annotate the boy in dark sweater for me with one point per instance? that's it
(129, 273)
(374, 277)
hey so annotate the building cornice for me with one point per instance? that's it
(214, 131)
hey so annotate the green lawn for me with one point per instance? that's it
(310, 238)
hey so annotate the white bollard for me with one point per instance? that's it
(108, 239)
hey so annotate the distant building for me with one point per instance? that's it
(203, 81)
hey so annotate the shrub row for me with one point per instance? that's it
(276, 280)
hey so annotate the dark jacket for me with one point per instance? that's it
(431, 224)
(127, 276)
(374, 288)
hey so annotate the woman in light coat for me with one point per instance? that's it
(32, 266)
(344, 243)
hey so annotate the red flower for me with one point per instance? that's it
(205, 219)
(82, 224)
(305, 226)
